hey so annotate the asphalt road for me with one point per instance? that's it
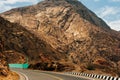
(41, 75)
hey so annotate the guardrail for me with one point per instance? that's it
(102, 77)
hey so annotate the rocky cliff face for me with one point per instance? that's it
(71, 33)
(3, 62)
(19, 43)
(3, 65)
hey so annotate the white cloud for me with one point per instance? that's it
(115, 0)
(9, 4)
(90, 0)
(4, 7)
(111, 15)
(96, 0)
(115, 24)
(15, 1)
(108, 11)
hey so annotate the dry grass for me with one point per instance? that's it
(11, 76)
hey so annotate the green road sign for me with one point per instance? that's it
(23, 66)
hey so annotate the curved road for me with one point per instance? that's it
(41, 75)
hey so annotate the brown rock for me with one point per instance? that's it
(66, 31)
(3, 65)
(52, 66)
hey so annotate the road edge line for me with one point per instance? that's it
(20, 73)
(24, 75)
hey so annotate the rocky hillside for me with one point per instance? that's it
(5, 73)
(70, 33)
(19, 43)
(3, 65)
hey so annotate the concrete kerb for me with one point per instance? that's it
(95, 76)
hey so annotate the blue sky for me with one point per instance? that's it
(108, 10)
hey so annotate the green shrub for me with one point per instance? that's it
(90, 67)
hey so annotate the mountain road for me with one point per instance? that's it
(44, 75)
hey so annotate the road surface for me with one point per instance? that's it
(41, 75)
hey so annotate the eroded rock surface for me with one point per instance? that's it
(69, 33)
